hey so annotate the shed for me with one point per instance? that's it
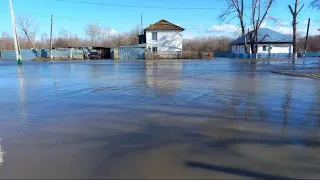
(131, 52)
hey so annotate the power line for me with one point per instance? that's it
(117, 23)
(157, 7)
(144, 7)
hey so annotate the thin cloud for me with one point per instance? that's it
(284, 23)
(226, 28)
(190, 35)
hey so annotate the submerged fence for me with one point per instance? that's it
(27, 54)
(246, 56)
(178, 55)
(230, 55)
(312, 54)
(30, 54)
(264, 55)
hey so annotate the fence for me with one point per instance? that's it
(77, 54)
(230, 55)
(65, 53)
(260, 55)
(163, 55)
(26, 54)
(312, 54)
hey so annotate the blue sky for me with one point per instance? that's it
(75, 16)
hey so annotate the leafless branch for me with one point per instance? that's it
(315, 4)
(28, 29)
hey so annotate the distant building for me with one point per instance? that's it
(162, 37)
(270, 43)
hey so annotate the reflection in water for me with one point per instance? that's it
(55, 83)
(1, 154)
(210, 112)
(165, 78)
(287, 103)
(23, 105)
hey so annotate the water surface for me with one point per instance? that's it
(158, 119)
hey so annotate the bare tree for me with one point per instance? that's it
(316, 4)
(132, 37)
(93, 31)
(295, 12)
(206, 44)
(28, 29)
(44, 41)
(313, 43)
(235, 9)
(6, 42)
(259, 14)
(105, 33)
(122, 39)
(67, 39)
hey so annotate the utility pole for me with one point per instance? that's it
(51, 56)
(307, 37)
(295, 13)
(15, 36)
(141, 25)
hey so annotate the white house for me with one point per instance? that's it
(270, 43)
(163, 36)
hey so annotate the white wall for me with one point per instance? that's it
(238, 49)
(168, 40)
(273, 48)
(276, 48)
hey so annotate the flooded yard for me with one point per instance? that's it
(221, 119)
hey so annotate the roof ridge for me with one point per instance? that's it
(164, 25)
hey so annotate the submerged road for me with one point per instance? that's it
(158, 119)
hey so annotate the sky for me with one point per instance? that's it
(75, 15)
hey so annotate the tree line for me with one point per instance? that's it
(99, 36)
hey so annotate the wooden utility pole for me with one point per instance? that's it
(307, 37)
(295, 13)
(51, 56)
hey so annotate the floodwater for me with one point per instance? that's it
(158, 119)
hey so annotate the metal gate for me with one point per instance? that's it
(131, 52)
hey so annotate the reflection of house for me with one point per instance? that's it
(163, 78)
(269, 43)
(163, 37)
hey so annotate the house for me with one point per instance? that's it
(163, 38)
(270, 43)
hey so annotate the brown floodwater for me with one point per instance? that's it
(192, 119)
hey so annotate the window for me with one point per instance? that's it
(264, 48)
(154, 36)
(155, 49)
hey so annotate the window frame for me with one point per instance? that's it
(154, 49)
(264, 48)
(154, 36)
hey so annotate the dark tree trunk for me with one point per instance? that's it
(295, 13)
